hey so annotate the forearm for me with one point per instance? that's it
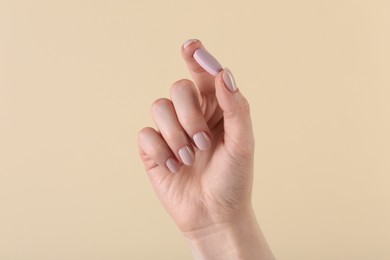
(240, 240)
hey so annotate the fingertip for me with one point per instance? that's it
(203, 80)
(207, 61)
(142, 133)
(172, 165)
(189, 42)
(189, 47)
(226, 79)
(228, 95)
(229, 81)
(159, 104)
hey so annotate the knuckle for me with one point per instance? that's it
(144, 132)
(181, 86)
(241, 109)
(190, 119)
(242, 152)
(160, 103)
(174, 137)
(159, 151)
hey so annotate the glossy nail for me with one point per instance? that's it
(202, 141)
(172, 166)
(188, 42)
(207, 61)
(228, 78)
(186, 155)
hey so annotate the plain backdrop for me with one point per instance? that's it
(77, 79)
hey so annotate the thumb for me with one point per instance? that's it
(238, 136)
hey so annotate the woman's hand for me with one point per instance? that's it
(200, 162)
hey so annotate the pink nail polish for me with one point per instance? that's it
(228, 78)
(172, 166)
(186, 155)
(188, 42)
(202, 141)
(207, 61)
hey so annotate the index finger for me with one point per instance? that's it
(198, 61)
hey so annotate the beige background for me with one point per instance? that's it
(76, 82)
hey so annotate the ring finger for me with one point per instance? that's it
(165, 117)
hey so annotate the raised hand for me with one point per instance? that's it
(200, 160)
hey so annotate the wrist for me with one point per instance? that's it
(240, 238)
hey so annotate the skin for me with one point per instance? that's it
(210, 200)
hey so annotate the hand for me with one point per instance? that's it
(200, 162)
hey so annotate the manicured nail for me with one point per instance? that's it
(186, 155)
(172, 166)
(188, 42)
(207, 61)
(202, 141)
(228, 78)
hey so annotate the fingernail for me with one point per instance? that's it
(186, 155)
(188, 42)
(228, 78)
(207, 61)
(202, 141)
(172, 166)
